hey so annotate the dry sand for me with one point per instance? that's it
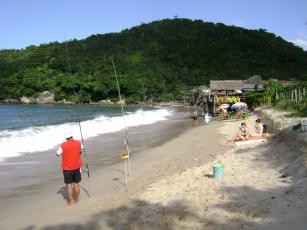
(264, 187)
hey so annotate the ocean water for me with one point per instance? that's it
(26, 129)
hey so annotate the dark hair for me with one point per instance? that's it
(243, 123)
(258, 120)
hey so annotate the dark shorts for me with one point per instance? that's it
(72, 176)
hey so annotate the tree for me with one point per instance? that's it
(154, 61)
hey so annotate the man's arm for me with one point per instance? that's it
(59, 151)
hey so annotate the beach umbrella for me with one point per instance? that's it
(223, 106)
(238, 91)
(239, 105)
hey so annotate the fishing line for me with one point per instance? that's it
(79, 123)
(126, 140)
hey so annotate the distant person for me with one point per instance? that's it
(224, 114)
(206, 107)
(210, 107)
(238, 114)
(71, 165)
(206, 118)
(242, 135)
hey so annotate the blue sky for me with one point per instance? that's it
(33, 22)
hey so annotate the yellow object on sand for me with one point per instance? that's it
(266, 135)
(123, 156)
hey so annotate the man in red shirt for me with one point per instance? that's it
(71, 165)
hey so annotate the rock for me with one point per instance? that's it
(121, 102)
(10, 100)
(27, 100)
(45, 98)
(105, 102)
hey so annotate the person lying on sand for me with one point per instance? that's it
(242, 135)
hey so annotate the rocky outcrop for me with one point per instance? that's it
(121, 102)
(45, 97)
(10, 100)
(27, 100)
(105, 102)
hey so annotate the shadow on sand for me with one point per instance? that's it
(63, 192)
(250, 210)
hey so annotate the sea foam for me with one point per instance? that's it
(42, 138)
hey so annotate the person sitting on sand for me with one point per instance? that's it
(242, 135)
(258, 128)
(71, 165)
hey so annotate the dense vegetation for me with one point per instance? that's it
(155, 61)
(289, 98)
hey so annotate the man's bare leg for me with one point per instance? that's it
(69, 193)
(77, 192)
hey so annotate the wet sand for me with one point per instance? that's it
(31, 172)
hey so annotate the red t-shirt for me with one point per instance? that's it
(71, 157)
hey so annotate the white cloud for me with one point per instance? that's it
(301, 41)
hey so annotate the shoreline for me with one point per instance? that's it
(19, 174)
(146, 169)
(107, 102)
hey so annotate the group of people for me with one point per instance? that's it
(238, 114)
(243, 133)
(71, 151)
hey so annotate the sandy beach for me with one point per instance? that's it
(147, 166)
(171, 187)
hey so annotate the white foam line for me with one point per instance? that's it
(42, 138)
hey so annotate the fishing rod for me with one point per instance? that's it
(79, 122)
(126, 141)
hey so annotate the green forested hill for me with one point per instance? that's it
(154, 61)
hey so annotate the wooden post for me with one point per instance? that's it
(214, 102)
(295, 94)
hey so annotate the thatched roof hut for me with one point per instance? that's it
(229, 85)
(226, 87)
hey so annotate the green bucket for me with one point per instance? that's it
(218, 171)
